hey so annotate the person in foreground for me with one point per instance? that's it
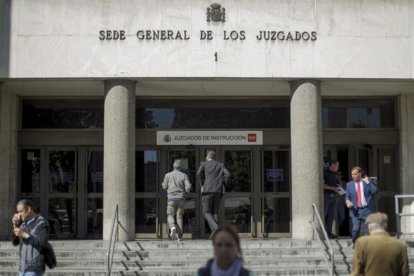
(31, 233)
(228, 260)
(379, 253)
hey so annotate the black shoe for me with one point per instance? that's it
(332, 236)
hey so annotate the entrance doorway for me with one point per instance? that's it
(377, 161)
(256, 199)
(66, 184)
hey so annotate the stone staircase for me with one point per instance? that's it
(164, 257)
(343, 256)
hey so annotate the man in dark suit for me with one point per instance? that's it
(213, 176)
(330, 188)
(379, 253)
(360, 200)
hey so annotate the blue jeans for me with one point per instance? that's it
(31, 273)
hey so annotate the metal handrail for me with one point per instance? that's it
(112, 242)
(330, 262)
(398, 215)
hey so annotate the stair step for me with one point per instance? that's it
(166, 257)
(257, 272)
(175, 263)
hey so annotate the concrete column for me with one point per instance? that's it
(8, 159)
(306, 151)
(119, 157)
(406, 112)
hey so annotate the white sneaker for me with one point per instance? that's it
(173, 233)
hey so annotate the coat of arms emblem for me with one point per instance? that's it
(216, 13)
(167, 139)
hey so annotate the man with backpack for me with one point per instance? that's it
(31, 234)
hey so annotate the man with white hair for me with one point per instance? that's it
(177, 185)
(379, 253)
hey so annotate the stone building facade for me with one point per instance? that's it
(98, 97)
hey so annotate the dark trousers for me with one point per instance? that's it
(357, 223)
(330, 204)
(211, 203)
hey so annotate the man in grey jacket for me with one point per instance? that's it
(213, 176)
(176, 184)
(31, 233)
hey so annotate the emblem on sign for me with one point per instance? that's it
(167, 139)
(216, 13)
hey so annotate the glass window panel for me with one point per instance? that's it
(95, 217)
(62, 171)
(334, 117)
(30, 171)
(358, 113)
(95, 172)
(204, 117)
(357, 118)
(276, 171)
(238, 163)
(276, 213)
(387, 114)
(145, 215)
(238, 213)
(62, 217)
(189, 217)
(62, 114)
(146, 171)
(188, 164)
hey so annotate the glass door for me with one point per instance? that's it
(147, 199)
(62, 183)
(94, 191)
(66, 185)
(31, 169)
(386, 164)
(237, 202)
(276, 193)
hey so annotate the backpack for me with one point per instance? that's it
(49, 255)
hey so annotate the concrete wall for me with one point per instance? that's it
(355, 39)
(8, 160)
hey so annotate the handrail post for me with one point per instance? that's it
(397, 216)
(331, 261)
(112, 241)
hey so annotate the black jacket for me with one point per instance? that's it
(213, 176)
(206, 271)
(30, 258)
